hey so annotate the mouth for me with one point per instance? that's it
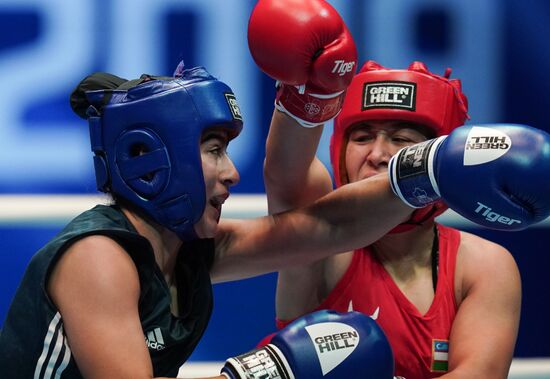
(217, 201)
(372, 171)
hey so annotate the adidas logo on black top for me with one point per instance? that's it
(154, 339)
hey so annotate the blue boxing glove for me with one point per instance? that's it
(494, 175)
(323, 344)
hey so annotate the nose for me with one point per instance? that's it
(380, 151)
(229, 175)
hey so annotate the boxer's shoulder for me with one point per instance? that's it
(481, 261)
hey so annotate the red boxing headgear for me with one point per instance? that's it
(413, 95)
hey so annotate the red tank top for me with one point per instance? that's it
(420, 343)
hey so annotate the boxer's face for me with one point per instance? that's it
(371, 145)
(219, 174)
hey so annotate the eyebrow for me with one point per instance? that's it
(215, 134)
(394, 128)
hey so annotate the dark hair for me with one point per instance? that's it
(102, 81)
(97, 81)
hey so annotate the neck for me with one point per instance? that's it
(164, 242)
(404, 254)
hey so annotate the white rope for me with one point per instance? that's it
(59, 209)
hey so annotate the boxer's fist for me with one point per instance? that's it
(494, 175)
(324, 344)
(302, 42)
(307, 48)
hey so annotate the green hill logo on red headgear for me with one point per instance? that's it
(389, 94)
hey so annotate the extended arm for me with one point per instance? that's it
(352, 216)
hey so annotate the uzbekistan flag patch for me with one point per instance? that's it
(440, 355)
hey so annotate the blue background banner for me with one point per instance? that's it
(499, 48)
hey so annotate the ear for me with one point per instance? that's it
(142, 160)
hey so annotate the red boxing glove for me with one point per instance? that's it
(307, 48)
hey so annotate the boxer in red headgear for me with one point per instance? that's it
(448, 301)
(414, 96)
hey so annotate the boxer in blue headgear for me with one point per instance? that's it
(146, 142)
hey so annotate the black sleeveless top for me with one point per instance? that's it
(33, 343)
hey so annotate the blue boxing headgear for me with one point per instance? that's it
(146, 141)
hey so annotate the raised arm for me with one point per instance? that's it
(293, 175)
(293, 178)
(313, 62)
(307, 48)
(485, 328)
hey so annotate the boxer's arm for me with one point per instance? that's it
(306, 47)
(485, 328)
(359, 213)
(354, 215)
(314, 43)
(97, 296)
(293, 175)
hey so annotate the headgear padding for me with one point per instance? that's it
(413, 95)
(146, 140)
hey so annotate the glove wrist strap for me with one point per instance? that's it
(412, 175)
(308, 109)
(267, 362)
